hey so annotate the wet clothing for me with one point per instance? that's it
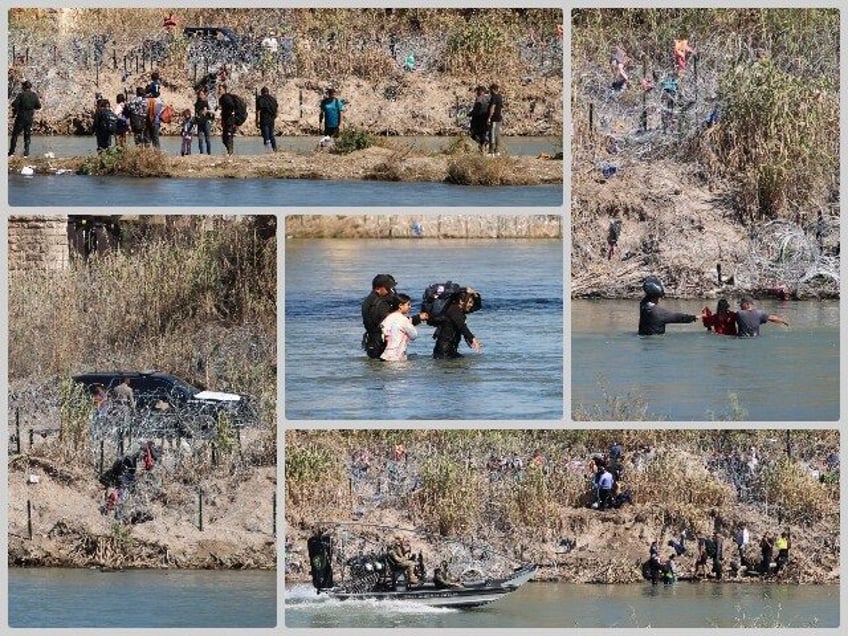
(653, 318)
(23, 108)
(748, 322)
(397, 332)
(450, 330)
(723, 324)
(375, 308)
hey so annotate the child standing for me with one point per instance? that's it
(397, 329)
(187, 132)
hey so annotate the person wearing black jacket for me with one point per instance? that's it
(23, 109)
(652, 317)
(375, 307)
(227, 104)
(452, 327)
(266, 113)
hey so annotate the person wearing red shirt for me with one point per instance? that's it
(722, 322)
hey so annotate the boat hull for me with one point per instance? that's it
(473, 595)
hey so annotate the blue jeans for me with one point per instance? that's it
(267, 131)
(203, 129)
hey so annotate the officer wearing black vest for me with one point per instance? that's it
(652, 317)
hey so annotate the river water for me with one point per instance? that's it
(518, 375)
(568, 605)
(68, 146)
(118, 192)
(786, 374)
(54, 597)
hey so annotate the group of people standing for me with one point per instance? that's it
(486, 117)
(743, 323)
(389, 328)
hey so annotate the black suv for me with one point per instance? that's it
(164, 406)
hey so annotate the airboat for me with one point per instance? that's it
(372, 576)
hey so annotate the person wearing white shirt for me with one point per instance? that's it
(397, 329)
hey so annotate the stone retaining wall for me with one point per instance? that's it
(542, 226)
(38, 243)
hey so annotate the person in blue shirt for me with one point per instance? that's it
(331, 113)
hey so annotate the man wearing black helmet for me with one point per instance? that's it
(652, 317)
(375, 307)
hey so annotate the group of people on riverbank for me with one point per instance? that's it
(389, 328)
(710, 550)
(742, 323)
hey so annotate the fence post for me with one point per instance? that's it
(301, 104)
(102, 446)
(30, 437)
(200, 509)
(274, 513)
(591, 117)
(214, 454)
(136, 62)
(18, 428)
(114, 59)
(29, 519)
(26, 55)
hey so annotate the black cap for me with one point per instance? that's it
(653, 287)
(383, 280)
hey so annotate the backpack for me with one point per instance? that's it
(136, 111)
(167, 114)
(438, 296)
(240, 113)
(110, 121)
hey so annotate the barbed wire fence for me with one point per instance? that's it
(186, 463)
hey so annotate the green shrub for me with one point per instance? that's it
(125, 160)
(351, 139)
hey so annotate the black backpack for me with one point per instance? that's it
(110, 121)
(240, 113)
(438, 296)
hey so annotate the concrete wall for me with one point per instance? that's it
(442, 226)
(38, 243)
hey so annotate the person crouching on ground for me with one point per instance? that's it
(452, 327)
(397, 329)
(723, 321)
(652, 317)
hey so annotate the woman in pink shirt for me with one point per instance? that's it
(397, 329)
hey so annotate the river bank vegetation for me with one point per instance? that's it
(528, 493)
(195, 297)
(741, 168)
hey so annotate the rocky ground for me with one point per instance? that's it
(69, 530)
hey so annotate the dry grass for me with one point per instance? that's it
(198, 302)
